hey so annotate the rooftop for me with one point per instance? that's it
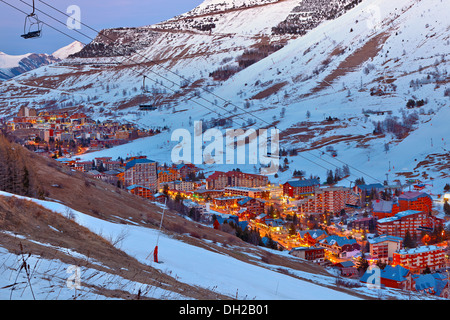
(303, 183)
(398, 216)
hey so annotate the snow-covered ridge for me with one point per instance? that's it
(11, 61)
(68, 50)
(13, 65)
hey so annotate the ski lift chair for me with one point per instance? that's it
(32, 27)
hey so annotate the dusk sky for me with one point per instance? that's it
(96, 14)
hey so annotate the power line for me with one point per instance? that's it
(141, 73)
(154, 62)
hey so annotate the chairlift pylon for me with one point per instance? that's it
(32, 27)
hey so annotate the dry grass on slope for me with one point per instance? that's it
(105, 201)
(31, 221)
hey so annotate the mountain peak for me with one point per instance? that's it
(66, 51)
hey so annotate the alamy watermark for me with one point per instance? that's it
(74, 21)
(234, 146)
(74, 280)
(374, 17)
(374, 279)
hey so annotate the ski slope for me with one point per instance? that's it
(187, 263)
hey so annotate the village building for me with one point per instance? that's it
(244, 191)
(340, 246)
(347, 268)
(396, 277)
(312, 237)
(141, 172)
(406, 221)
(313, 254)
(252, 206)
(382, 248)
(384, 209)
(221, 180)
(418, 259)
(436, 284)
(300, 188)
(141, 191)
(331, 199)
(367, 225)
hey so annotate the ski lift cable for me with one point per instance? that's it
(120, 62)
(183, 78)
(159, 65)
(41, 21)
(347, 165)
(141, 73)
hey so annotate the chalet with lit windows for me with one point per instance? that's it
(313, 254)
(384, 209)
(206, 194)
(368, 188)
(244, 191)
(253, 206)
(382, 248)
(340, 246)
(312, 237)
(415, 200)
(404, 221)
(436, 284)
(300, 188)
(420, 258)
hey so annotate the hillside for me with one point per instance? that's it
(11, 66)
(14, 65)
(367, 78)
(111, 233)
(364, 58)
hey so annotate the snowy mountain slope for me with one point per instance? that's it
(66, 51)
(209, 270)
(242, 36)
(375, 57)
(11, 66)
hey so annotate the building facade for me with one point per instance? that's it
(332, 199)
(300, 188)
(406, 221)
(418, 259)
(142, 172)
(382, 248)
